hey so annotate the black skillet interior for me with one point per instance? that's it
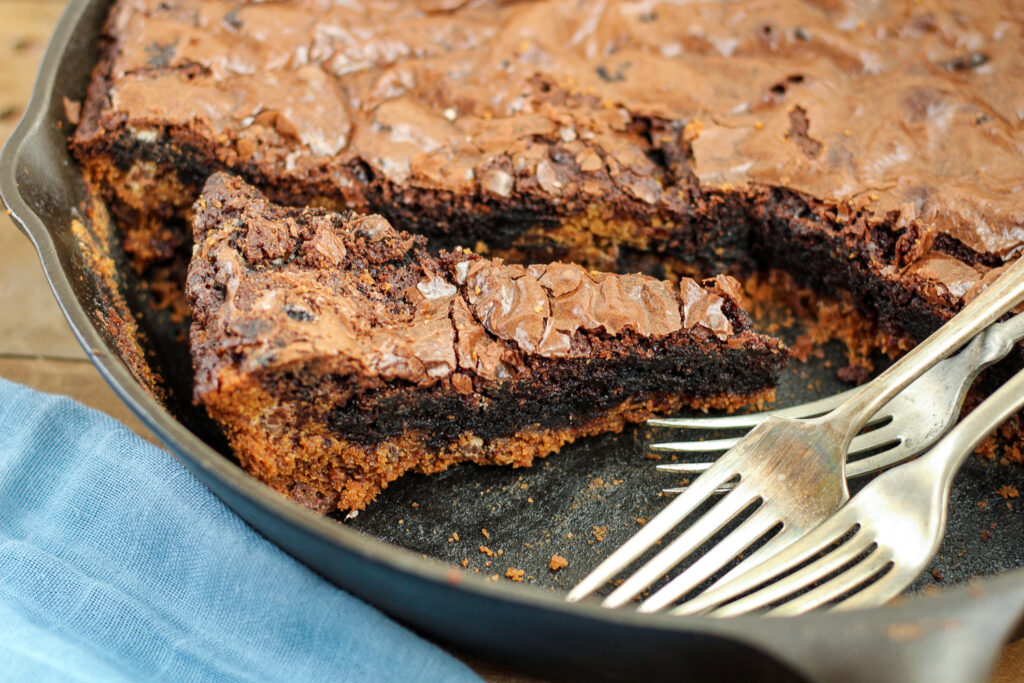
(579, 503)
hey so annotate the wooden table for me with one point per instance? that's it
(36, 345)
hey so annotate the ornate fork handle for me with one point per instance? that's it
(985, 309)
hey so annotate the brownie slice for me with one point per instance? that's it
(338, 353)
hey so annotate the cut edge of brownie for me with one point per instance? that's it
(339, 353)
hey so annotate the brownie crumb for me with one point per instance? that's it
(72, 110)
(514, 574)
(1009, 491)
(988, 449)
(937, 575)
(804, 348)
(855, 373)
(557, 562)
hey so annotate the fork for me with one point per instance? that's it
(911, 422)
(790, 472)
(888, 532)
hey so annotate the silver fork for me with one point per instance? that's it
(894, 527)
(917, 416)
(791, 472)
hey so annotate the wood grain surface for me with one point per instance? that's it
(36, 345)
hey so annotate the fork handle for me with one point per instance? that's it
(986, 308)
(949, 453)
(999, 340)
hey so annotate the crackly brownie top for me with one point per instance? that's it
(911, 111)
(271, 286)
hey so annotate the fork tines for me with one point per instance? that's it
(786, 519)
(840, 566)
(863, 555)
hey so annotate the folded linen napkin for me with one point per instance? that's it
(117, 564)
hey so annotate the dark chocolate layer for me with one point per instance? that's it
(568, 391)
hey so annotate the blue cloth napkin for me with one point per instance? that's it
(117, 564)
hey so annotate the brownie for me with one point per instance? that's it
(339, 353)
(871, 150)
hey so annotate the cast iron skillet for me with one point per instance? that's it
(954, 635)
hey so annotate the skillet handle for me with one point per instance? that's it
(956, 636)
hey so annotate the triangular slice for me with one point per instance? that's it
(338, 353)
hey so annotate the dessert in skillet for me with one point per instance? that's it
(338, 353)
(871, 151)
